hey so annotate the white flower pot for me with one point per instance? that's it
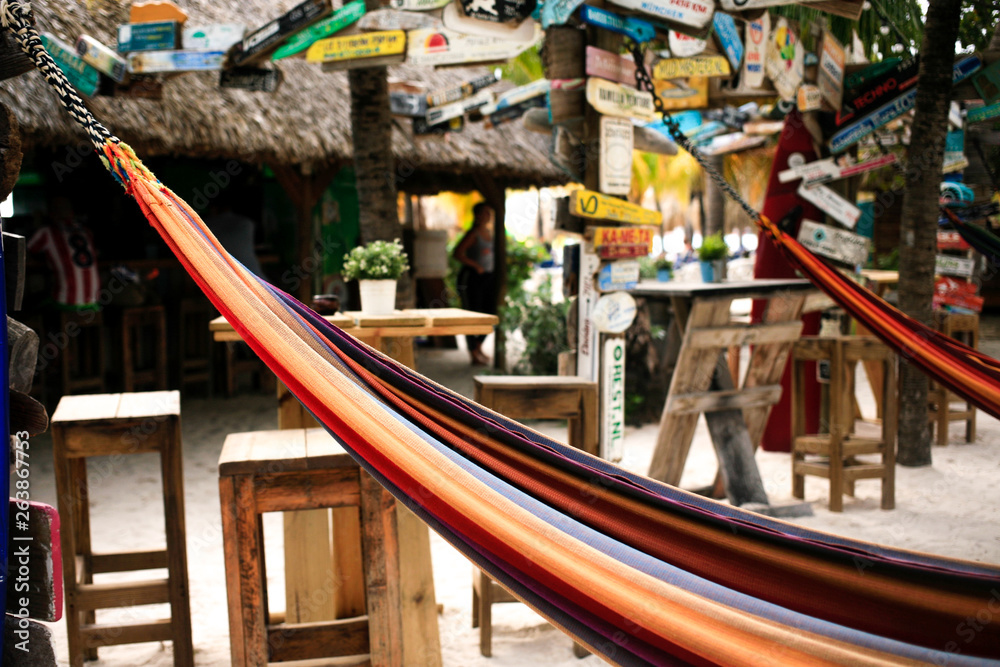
(378, 297)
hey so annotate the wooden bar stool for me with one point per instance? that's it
(833, 455)
(532, 397)
(117, 425)
(82, 358)
(194, 340)
(963, 327)
(144, 347)
(303, 469)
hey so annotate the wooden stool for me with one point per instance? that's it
(532, 397)
(302, 469)
(841, 446)
(237, 364)
(194, 341)
(116, 425)
(144, 347)
(963, 327)
(82, 356)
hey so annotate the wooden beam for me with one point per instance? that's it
(495, 195)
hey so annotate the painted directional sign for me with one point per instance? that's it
(729, 38)
(830, 77)
(987, 83)
(734, 142)
(259, 43)
(212, 36)
(151, 62)
(621, 274)
(693, 13)
(407, 104)
(512, 112)
(808, 98)
(81, 75)
(529, 91)
(594, 205)
(623, 242)
(679, 94)
(831, 203)
(685, 46)
(387, 18)
(947, 265)
(758, 32)
(157, 36)
(498, 11)
(418, 5)
(460, 108)
(612, 440)
(617, 100)
(610, 66)
(455, 18)
(682, 68)
(880, 89)
(447, 47)
(616, 156)
(828, 170)
(251, 78)
(101, 58)
(339, 20)
(979, 114)
(834, 242)
(633, 28)
(353, 47)
(461, 91)
(784, 62)
(557, 12)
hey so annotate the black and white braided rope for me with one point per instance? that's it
(15, 15)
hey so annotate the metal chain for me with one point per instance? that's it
(644, 82)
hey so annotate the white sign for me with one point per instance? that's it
(418, 5)
(809, 98)
(756, 43)
(586, 337)
(694, 13)
(831, 203)
(740, 5)
(614, 313)
(831, 70)
(834, 242)
(616, 100)
(616, 155)
(685, 46)
(613, 399)
(785, 59)
(946, 265)
(618, 275)
(211, 37)
(456, 19)
(448, 47)
(828, 170)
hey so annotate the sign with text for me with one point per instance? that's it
(353, 47)
(622, 242)
(460, 108)
(685, 46)
(81, 75)
(610, 66)
(784, 62)
(880, 89)
(418, 5)
(387, 18)
(498, 11)
(557, 12)
(251, 78)
(828, 170)
(947, 265)
(808, 98)
(616, 155)
(948, 239)
(613, 399)
(594, 205)
(511, 112)
(633, 28)
(212, 36)
(447, 47)
(455, 18)
(340, 19)
(729, 38)
(461, 91)
(614, 313)
(262, 41)
(834, 242)
(830, 76)
(615, 99)
(528, 91)
(621, 274)
(151, 62)
(758, 32)
(678, 95)
(693, 13)
(158, 36)
(407, 104)
(586, 337)
(831, 203)
(852, 134)
(682, 68)
(980, 114)
(101, 58)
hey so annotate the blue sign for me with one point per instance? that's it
(557, 12)
(635, 29)
(729, 37)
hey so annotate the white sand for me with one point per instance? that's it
(951, 508)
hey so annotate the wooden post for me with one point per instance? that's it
(495, 195)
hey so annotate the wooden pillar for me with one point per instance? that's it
(495, 195)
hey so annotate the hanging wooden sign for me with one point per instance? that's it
(987, 83)
(623, 242)
(356, 47)
(809, 98)
(407, 104)
(980, 114)
(851, 134)
(692, 13)
(834, 242)
(951, 240)
(594, 205)
(158, 10)
(758, 32)
(418, 5)
(422, 128)
(498, 11)
(586, 338)
(81, 75)
(612, 410)
(512, 112)
(729, 38)
(340, 19)
(831, 203)
(678, 94)
(158, 36)
(610, 66)
(567, 152)
(830, 76)
(827, 170)
(212, 36)
(682, 68)
(101, 58)
(705, 132)
(455, 109)
(529, 91)
(621, 274)
(397, 19)
(684, 46)
(461, 91)
(155, 62)
(616, 156)
(616, 100)
(633, 28)
(614, 313)
(447, 47)
(947, 265)
(557, 12)
(262, 41)
(726, 144)
(644, 139)
(784, 62)
(880, 89)
(251, 78)
(454, 18)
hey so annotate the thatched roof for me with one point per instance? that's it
(306, 122)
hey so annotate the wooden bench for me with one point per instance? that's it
(294, 470)
(532, 397)
(117, 425)
(964, 327)
(833, 455)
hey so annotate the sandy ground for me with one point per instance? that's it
(951, 508)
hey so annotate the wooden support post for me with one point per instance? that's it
(495, 195)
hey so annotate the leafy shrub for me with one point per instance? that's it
(543, 325)
(712, 248)
(378, 260)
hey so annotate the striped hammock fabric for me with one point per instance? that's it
(639, 572)
(983, 240)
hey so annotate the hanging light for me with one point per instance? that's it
(883, 29)
(865, 6)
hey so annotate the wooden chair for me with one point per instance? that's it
(194, 341)
(305, 469)
(238, 363)
(833, 455)
(144, 347)
(532, 397)
(118, 425)
(963, 327)
(82, 361)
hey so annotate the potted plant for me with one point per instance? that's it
(664, 269)
(376, 266)
(712, 253)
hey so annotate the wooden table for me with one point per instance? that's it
(310, 564)
(703, 383)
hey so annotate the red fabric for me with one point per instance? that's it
(771, 263)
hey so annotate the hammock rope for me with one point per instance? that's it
(638, 572)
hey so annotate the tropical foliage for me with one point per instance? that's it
(378, 260)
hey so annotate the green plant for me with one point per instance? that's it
(542, 322)
(378, 260)
(888, 261)
(663, 264)
(713, 248)
(647, 267)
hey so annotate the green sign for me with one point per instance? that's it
(979, 114)
(337, 21)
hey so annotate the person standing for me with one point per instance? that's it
(68, 247)
(476, 286)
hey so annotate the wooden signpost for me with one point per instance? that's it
(683, 68)
(758, 32)
(418, 5)
(498, 11)
(729, 38)
(594, 205)
(455, 19)
(81, 75)
(251, 78)
(633, 28)
(587, 353)
(455, 109)
(447, 47)
(830, 77)
(623, 242)
(211, 36)
(461, 91)
(831, 203)
(614, 313)
(261, 42)
(616, 156)
(691, 13)
(615, 99)
(397, 19)
(685, 46)
(101, 58)
(610, 66)
(834, 242)
(155, 62)
(784, 63)
(358, 47)
(157, 36)
(678, 94)
(334, 23)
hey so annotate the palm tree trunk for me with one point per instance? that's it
(374, 166)
(918, 231)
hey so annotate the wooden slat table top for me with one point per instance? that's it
(742, 289)
(287, 450)
(105, 407)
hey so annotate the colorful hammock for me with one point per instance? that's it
(981, 239)
(639, 572)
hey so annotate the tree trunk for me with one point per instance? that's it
(374, 166)
(918, 230)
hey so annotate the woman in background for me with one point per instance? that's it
(476, 287)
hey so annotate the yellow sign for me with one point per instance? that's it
(590, 204)
(366, 45)
(619, 242)
(682, 68)
(679, 94)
